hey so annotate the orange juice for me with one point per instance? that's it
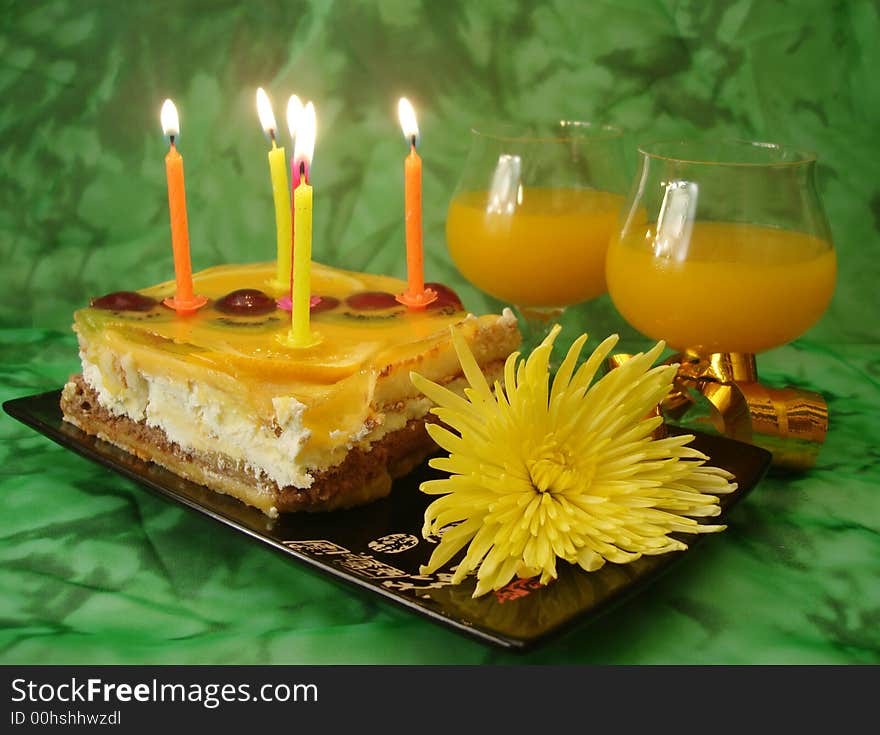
(730, 288)
(548, 251)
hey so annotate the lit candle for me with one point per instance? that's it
(300, 334)
(280, 194)
(416, 296)
(294, 111)
(183, 301)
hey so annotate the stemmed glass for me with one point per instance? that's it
(724, 251)
(532, 215)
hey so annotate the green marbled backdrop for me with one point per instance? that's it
(95, 570)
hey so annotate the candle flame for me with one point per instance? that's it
(408, 121)
(304, 148)
(294, 110)
(264, 110)
(170, 121)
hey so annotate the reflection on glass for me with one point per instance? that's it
(505, 191)
(675, 223)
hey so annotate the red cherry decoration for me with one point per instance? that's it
(246, 302)
(124, 301)
(325, 304)
(372, 300)
(445, 297)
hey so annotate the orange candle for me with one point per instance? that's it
(416, 296)
(184, 301)
(412, 171)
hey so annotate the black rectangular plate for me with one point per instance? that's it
(379, 547)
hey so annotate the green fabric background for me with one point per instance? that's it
(96, 570)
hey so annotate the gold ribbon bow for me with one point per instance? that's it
(722, 392)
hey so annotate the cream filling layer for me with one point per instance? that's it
(201, 418)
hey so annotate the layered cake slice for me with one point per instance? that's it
(217, 398)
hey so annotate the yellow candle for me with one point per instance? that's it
(280, 194)
(300, 331)
(301, 334)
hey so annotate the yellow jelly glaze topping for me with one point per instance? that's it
(242, 356)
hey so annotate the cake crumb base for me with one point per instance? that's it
(363, 476)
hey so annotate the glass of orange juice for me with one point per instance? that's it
(723, 247)
(535, 207)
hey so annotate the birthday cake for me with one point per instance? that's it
(218, 397)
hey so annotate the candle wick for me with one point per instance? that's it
(302, 171)
(413, 142)
(272, 136)
(171, 139)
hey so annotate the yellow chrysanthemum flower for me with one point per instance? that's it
(570, 471)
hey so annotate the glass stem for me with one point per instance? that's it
(535, 324)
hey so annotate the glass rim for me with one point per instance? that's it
(521, 133)
(787, 155)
